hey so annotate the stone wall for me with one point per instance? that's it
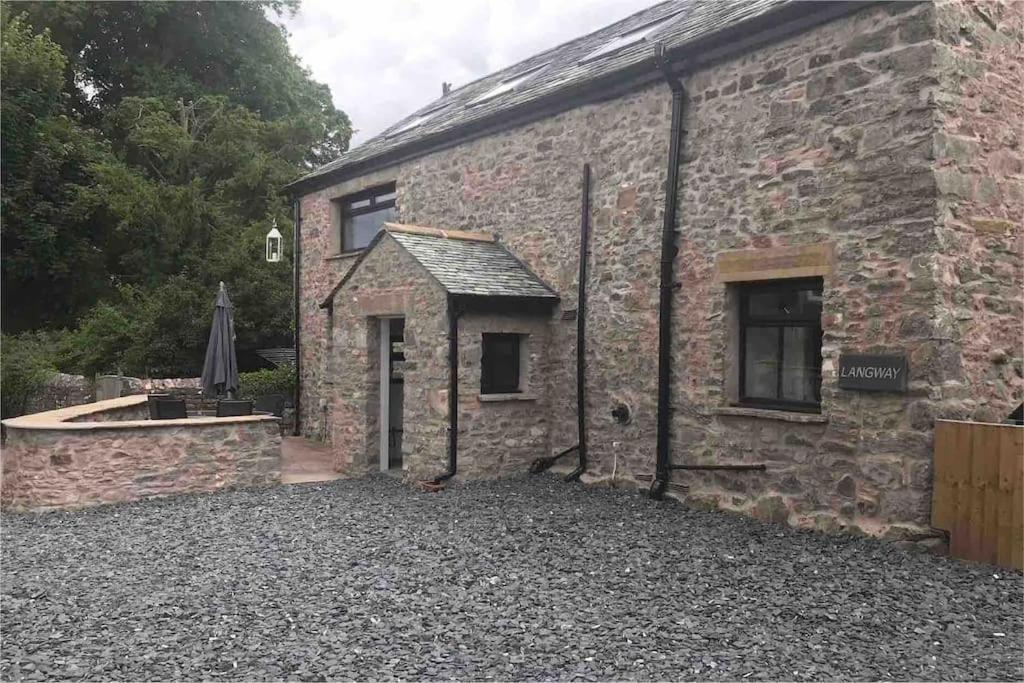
(61, 391)
(828, 137)
(122, 413)
(824, 138)
(320, 269)
(388, 283)
(978, 159)
(65, 464)
(500, 435)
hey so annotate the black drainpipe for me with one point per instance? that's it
(453, 390)
(669, 250)
(297, 258)
(541, 464)
(668, 285)
(581, 333)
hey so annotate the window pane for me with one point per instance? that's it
(761, 366)
(785, 304)
(359, 230)
(801, 358)
(500, 364)
(361, 204)
(764, 304)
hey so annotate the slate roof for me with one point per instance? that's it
(463, 263)
(565, 68)
(277, 357)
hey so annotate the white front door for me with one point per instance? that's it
(391, 391)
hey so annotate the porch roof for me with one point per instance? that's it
(471, 264)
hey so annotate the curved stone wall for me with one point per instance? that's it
(109, 452)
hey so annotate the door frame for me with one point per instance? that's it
(384, 388)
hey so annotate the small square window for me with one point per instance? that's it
(363, 215)
(500, 366)
(780, 344)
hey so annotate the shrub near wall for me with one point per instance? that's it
(26, 365)
(279, 380)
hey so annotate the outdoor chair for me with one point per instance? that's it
(170, 408)
(270, 403)
(152, 399)
(233, 408)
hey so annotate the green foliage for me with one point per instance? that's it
(31, 75)
(280, 380)
(145, 148)
(26, 363)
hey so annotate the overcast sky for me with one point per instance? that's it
(384, 59)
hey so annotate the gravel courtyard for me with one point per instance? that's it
(525, 579)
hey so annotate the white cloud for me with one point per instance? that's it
(387, 58)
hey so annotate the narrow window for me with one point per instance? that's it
(780, 345)
(363, 214)
(500, 369)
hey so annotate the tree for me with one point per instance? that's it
(50, 264)
(145, 148)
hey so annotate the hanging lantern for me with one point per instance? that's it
(274, 244)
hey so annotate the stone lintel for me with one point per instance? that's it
(388, 302)
(775, 263)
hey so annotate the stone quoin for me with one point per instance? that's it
(849, 182)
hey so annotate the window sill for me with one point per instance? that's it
(344, 255)
(501, 398)
(766, 414)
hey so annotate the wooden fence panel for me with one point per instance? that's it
(978, 492)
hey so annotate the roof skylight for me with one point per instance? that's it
(629, 38)
(413, 123)
(507, 85)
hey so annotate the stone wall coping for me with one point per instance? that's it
(762, 413)
(344, 255)
(62, 419)
(410, 229)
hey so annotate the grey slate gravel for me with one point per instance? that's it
(523, 579)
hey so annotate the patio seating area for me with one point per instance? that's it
(525, 579)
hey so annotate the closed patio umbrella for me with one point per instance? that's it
(220, 370)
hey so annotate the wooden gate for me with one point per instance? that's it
(978, 494)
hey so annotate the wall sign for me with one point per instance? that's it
(873, 372)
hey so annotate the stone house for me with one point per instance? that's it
(803, 246)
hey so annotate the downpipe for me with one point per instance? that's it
(580, 447)
(581, 334)
(297, 256)
(454, 313)
(667, 287)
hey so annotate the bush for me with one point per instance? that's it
(280, 380)
(98, 345)
(26, 364)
